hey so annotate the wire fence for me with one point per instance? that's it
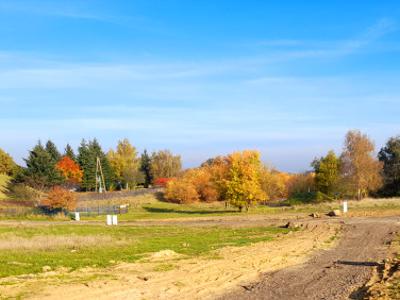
(103, 210)
(115, 195)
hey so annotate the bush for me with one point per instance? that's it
(181, 192)
(59, 199)
(24, 193)
(162, 182)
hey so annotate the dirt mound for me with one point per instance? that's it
(164, 255)
(384, 284)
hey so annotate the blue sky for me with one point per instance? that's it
(201, 78)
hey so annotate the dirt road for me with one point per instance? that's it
(338, 273)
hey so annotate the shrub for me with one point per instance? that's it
(181, 192)
(24, 193)
(59, 199)
(161, 182)
(202, 180)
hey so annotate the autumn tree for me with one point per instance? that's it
(165, 165)
(205, 184)
(302, 186)
(145, 168)
(181, 191)
(7, 164)
(70, 170)
(243, 181)
(327, 174)
(361, 172)
(274, 183)
(40, 171)
(125, 164)
(390, 157)
(59, 199)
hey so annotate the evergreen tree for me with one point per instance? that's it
(87, 159)
(40, 169)
(390, 156)
(51, 149)
(96, 151)
(87, 165)
(145, 167)
(70, 152)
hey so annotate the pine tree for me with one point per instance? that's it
(70, 152)
(88, 167)
(95, 149)
(40, 169)
(145, 167)
(390, 157)
(51, 149)
(87, 158)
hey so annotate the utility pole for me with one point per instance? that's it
(100, 183)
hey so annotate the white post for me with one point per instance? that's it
(77, 216)
(114, 220)
(345, 206)
(109, 220)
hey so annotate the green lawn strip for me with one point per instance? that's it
(138, 241)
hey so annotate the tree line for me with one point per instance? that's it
(123, 168)
(241, 179)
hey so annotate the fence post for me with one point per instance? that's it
(345, 206)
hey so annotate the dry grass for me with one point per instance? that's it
(4, 180)
(9, 241)
(371, 202)
(133, 201)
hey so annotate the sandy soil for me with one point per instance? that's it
(340, 273)
(166, 275)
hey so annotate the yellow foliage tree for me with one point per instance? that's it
(274, 183)
(242, 184)
(125, 163)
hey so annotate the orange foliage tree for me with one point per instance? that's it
(59, 199)
(70, 170)
(181, 191)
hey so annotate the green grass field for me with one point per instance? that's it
(148, 207)
(27, 249)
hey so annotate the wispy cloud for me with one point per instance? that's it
(64, 9)
(297, 48)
